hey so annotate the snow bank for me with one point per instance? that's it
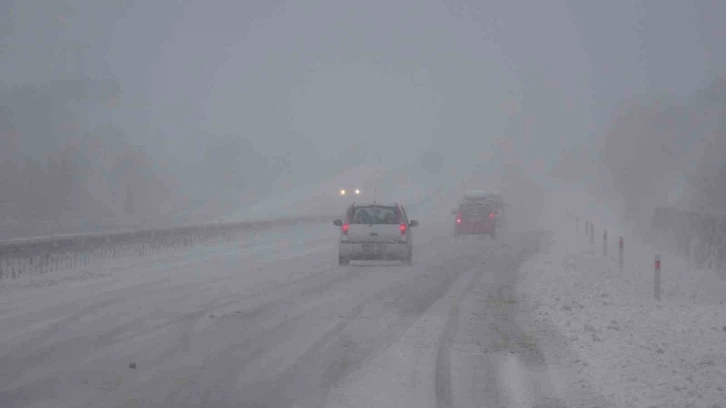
(635, 351)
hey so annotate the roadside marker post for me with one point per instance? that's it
(656, 278)
(620, 254)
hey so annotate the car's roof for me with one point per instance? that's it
(477, 193)
(482, 193)
(366, 204)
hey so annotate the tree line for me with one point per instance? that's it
(670, 152)
(657, 152)
(53, 165)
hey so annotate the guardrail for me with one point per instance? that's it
(49, 254)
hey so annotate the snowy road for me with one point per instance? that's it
(273, 321)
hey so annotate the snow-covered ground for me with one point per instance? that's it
(606, 330)
(17, 230)
(536, 319)
(272, 320)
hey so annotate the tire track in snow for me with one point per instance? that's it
(442, 381)
(309, 380)
(443, 384)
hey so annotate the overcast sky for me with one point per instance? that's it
(455, 75)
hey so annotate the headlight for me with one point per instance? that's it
(357, 192)
(342, 192)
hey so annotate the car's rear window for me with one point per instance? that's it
(475, 210)
(373, 215)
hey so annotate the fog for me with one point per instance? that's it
(152, 109)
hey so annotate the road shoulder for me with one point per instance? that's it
(606, 337)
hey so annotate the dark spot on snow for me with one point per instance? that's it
(132, 366)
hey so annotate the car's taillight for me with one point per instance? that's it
(458, 218)
(491, 215)
(403, 228)
(345, 228)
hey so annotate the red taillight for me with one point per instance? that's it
(491, 215)
(458, 218)
(345, 228)
(403, 228)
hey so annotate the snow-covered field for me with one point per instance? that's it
(606, 330)
(16, 230)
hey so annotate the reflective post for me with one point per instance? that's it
(620, 254)
(656, 279)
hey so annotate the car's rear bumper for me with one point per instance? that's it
(486, 229)
(366, 251)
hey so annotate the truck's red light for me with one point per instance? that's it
(403, 228)
(345, 228)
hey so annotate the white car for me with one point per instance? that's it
(375, 231)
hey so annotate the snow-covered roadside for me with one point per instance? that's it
(607, 333)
